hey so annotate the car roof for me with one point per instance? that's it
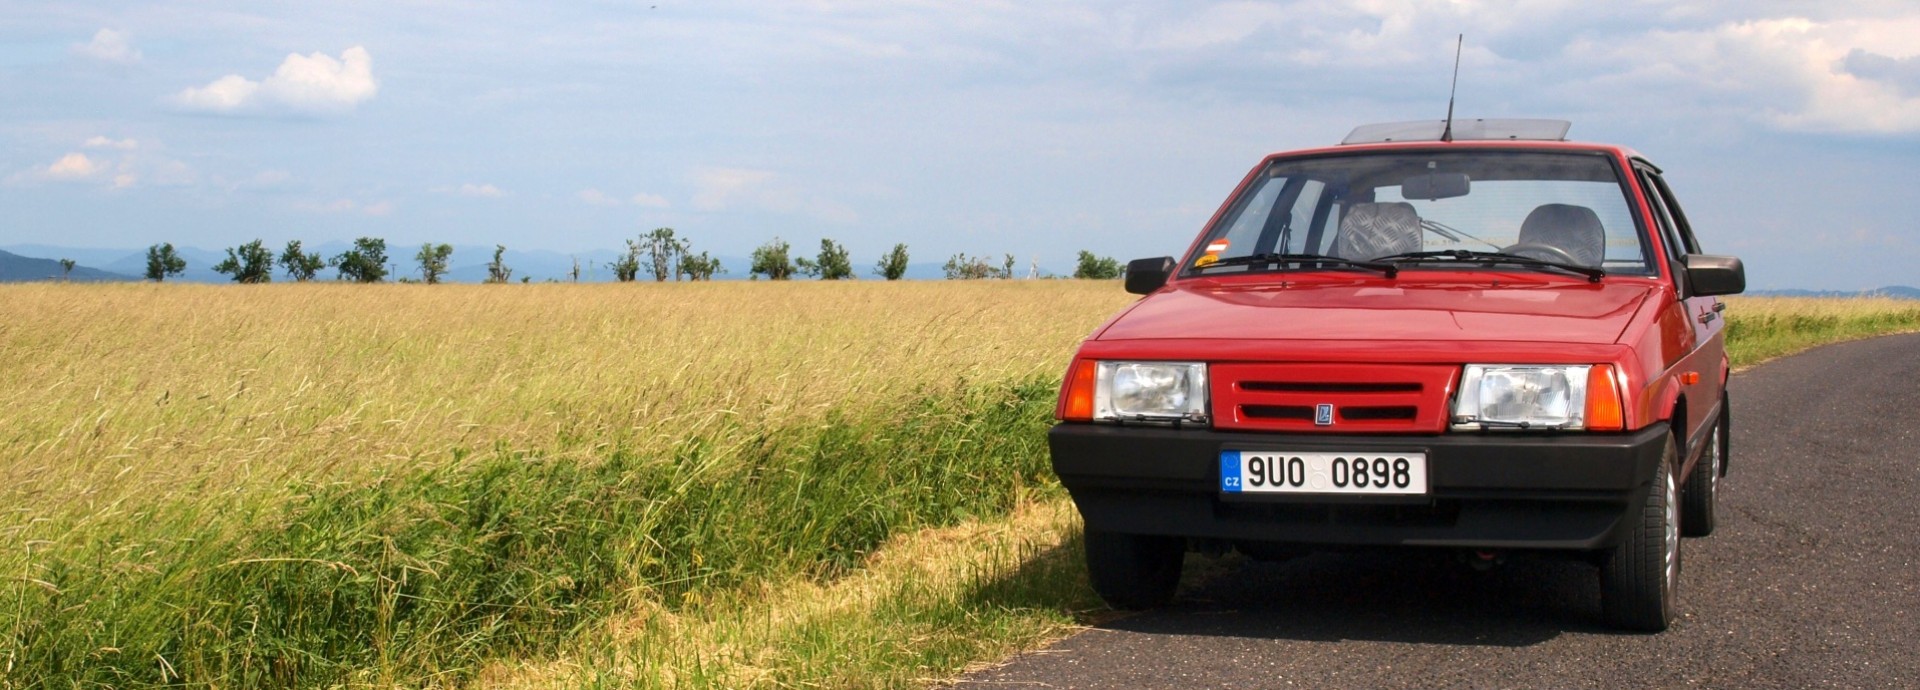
(1477, 129)
(1479, 133)
(1459, 145)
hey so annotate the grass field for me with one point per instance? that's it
(699, 485)
(1762, 328)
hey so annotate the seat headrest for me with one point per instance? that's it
(1372, 230)
(1575, 229)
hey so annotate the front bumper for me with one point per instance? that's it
(1486, 490)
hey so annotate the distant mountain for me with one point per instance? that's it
(15, 268)
(131, 262)
(1894, 291)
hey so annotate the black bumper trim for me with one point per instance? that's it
(1486, 490)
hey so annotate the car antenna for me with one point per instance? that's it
(1447, 133)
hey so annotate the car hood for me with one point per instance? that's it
(1377, 310)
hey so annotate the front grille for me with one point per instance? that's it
(1365, 398)
(1353, 413)
(1277, 411)
(1305, 387)
(1367, 414)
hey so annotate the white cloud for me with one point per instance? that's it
(118, 163)
(343, 205)
(717, 189)
(1227, 23)
(303, 83)
(227, 93)
(73, 166)
(101, 142)
(471, 190)
(1903, 74)
(1794, 74)
(1843, 68)
(596, 197)
(108, 46)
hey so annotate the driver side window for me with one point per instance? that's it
(1282, 214)
(1662, 217)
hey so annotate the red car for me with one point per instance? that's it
(1470, 335)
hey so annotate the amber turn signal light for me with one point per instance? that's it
(1604, 411)
(1076, 403)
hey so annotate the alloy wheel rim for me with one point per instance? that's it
(1713, 470)
(1671, 554)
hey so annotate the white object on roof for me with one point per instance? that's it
(1463, 130)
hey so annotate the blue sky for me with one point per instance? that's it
(1790, 130)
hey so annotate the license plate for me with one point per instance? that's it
(1322, 473)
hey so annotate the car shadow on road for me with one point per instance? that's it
(1412, 597)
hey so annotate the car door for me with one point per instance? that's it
(1703, 365)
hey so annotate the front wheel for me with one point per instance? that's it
(1134, 571)
(1640, 576)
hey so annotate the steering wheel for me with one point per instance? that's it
(1545, 252)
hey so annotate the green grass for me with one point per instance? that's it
(1762, 328)
(424, 576)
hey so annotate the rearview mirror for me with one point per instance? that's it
(1435, 185)
(1709, 275)
(1146, 275)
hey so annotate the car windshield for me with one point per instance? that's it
(1463, 209)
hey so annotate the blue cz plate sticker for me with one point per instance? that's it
(1315, 472)
(1230, 471)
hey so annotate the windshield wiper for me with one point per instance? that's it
(1593, 274)
(1450, 232)
(1273, 258)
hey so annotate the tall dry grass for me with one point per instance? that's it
(142, 389)
(300, 485)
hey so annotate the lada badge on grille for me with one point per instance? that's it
(1323, 414)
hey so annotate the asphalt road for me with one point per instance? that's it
(1812, 579)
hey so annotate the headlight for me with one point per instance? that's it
(1502, 396)
(1151, 391)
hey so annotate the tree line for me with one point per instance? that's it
(660, 253)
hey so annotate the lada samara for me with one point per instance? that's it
(1475, 336)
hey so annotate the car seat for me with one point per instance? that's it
(1373, 230)
(1573, 229)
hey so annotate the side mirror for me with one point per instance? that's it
(1709, 275)
(1146, 275)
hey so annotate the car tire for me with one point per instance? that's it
(1702, 491)
(1639, 578)
(1134, 571)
